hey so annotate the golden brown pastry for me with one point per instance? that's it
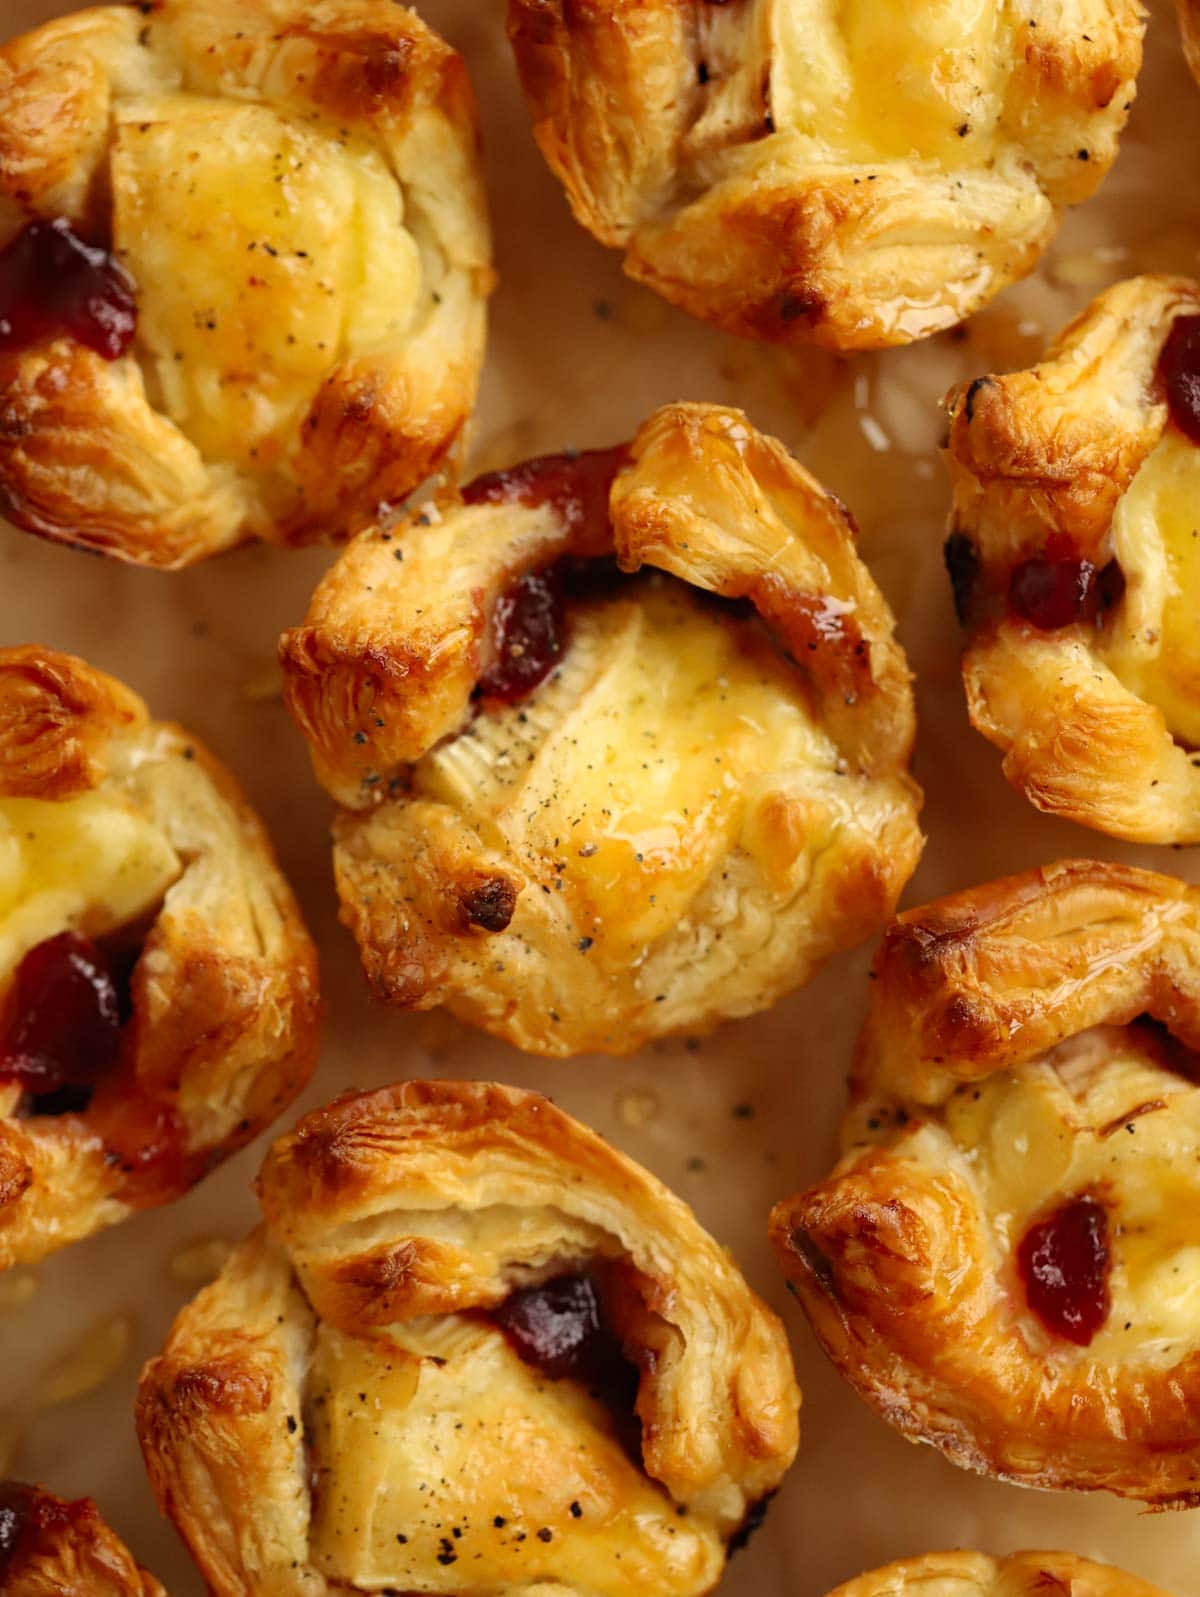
(474, 1349)
(1077, 568)
(1006, 1261)
(244, 269)
(962, 1574)
(52, 1548)
(158, 990)
(861, 175)
(584, 809)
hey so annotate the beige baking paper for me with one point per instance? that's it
(578, 356)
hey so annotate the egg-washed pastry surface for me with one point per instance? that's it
(158, 990)
(966, 1574)
(53, 1548)
(1076, 564)
(244, 263)
(859, 174)
(473, 1350)
(621, 739)
(1006, 1261)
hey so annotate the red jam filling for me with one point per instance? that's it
(577, 485)
(528, 627)
(560, 1329)
(1051, 592)
(66, 1015)
(529, 621)
(52, 283)
(1064, 1263)
(1179, 373)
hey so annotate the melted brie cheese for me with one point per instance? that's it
(265, 250)
(440, 1457)
(1100, 1115)
(626, 778)
(1152, 641)
(91, 864)
(886, 79)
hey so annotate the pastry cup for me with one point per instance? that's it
(50, 1546)
(243, 163)
(789, 173)
(704, 796)
(1003, 1263)
(379, 1390)
(126, 833)
(963, 1574)
(1076, 569)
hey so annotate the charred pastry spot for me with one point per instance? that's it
(52, 284)
(755, 1515)
(818, 1264)
(1178, 374)
(489, 904)
(1064, 1264)
(800, 307)
(962, 567)
(972, 395)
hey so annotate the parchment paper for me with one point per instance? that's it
(578, 356)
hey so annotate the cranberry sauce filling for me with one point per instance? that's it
(529, 623)
(68, 1003)
(560, 1329)
(1053, 592)
(51, 283)
(528, 632)
(576, 484)
(1064, 1263)
(1179, 373)
(27, 1515)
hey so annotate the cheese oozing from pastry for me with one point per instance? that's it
(92, 864)
(265, 249)
(887, 80)
(1153, 643)
(441, 1452)
(1102, 1115)
(637, 761)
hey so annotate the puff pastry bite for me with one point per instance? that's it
(861, 175)
(474, 1349)
(963, 1574)
(53, 1548)
(1076, 565)
(244, 263)
(1006, 1263)
(158, 990)
(583, 807)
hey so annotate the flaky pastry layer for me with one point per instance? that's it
(342, 1409)
(224, 1016)
(53, 1548)
(295, 191)
(704, 797)
(965, 1574)
(1075, 466)
(1005, 1263)
(861, 175)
